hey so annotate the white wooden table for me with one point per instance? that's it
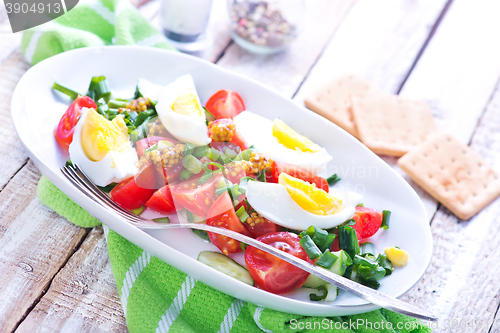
(56, 276)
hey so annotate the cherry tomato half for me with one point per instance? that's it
(129, 195)
(368, 222)
(262, 227)
(66, 127)
(225, 104)
(271, 273)
(162, 201)
(195, 197)
(222, 214)
(300, 173)
(150, 176)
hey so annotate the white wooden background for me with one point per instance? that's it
(56, 276)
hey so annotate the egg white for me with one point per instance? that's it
(113, 168)
(272, 201)
(258, 131)
(185, 128)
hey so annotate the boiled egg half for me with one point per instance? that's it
(101, 148)
(280, 142)
(295, 204)
(181, 113)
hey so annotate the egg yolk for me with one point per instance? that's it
(291, 139)
(187, 104)
(309, 197)
(100, 136)
(397, 256)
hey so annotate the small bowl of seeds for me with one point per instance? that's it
(265, 27)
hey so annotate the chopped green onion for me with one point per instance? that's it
(360, 205)
(214, 154)
(386, 216)
(192, 164)
(385, 263)
(374, 284)
(138, 211)
(329, 241)
(348, 240)
(319, 237)
(206, 176)
(143, 116)
(164, 144)
(72, 94)
(319, 297)
(151, 148)
(233, 191)
(99, 88)
(333, 179)
(327, 260)
(251, 147)
(367, 248)
(242, 214)
(162, 220)
(219, 166)
(185, 174)
(262, 176)
(107, 188)
(225, 159)
(369, 273)
(202, 234)
(308, 245)
(208, 115)
(69, 163)
(243, 246)
(199, 152)
(117, 104)
(188, 148)
(134, 136)
(230, 153)
(244, 183)
(245, 155)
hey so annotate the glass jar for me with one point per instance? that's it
(265, 27)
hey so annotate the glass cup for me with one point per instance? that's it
(184, 22)
(265, 27)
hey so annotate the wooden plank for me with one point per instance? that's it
(286, 70)
(13, 155)
(35, 243)
(461, 285)
(82, 296)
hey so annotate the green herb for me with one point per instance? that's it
(192, 164)
(360, 205)
(386, 216)
(348, 240)
(242, 214)
(162, 220)
(138, 211)
(327, 259)
(117, 104)
(318, 297)
(72, 94)
(185, 174)
(99, 88)
(308, 245)
(333, 179)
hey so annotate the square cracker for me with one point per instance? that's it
(333, 101)
(453, 174)
(391, 125)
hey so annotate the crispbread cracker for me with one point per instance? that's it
(333, 101)
(391, 125)
(453, 174)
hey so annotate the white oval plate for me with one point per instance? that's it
(36, 110)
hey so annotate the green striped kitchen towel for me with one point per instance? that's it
(159, 298)
(91, 23)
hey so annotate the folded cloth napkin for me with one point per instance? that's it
(155, 296)
(91, 23)
(158, 297)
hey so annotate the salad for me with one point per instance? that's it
(162, 151)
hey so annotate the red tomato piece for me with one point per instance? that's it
(162, 201)
(263, 228)
(368, 222)
(150, 176)
(300, 173)
(196, 198)
(271, 273)
(225, 104)
(145, 143)
(335, 245)
(130, 196)
(238, 140)
(222, 214)
(66, 127)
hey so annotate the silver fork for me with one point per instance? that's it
(78, 178)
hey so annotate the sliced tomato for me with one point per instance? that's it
(225, 104)
(66, 127)
(271, 273)
(172, 173)
(195, 197)
(222, 214)
(150, 176)
(145, 143)
(162, 201)
(129, 195)
(335, 245)
(300, 173)
(261, 229)
(368, 222)
(240, 141)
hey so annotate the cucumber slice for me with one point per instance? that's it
(339, 267)
(225, 265)
(147, 89)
